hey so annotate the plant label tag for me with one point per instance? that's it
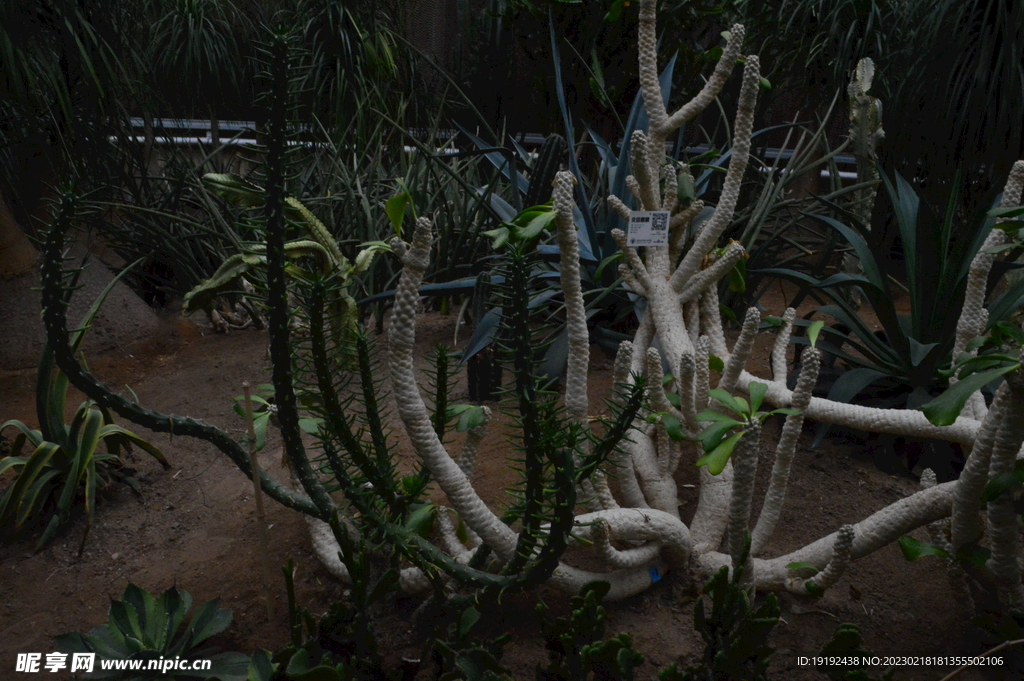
(648, 228)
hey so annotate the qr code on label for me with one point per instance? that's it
(648, 228)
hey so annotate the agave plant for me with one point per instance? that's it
(902, 363)
(65, 460)
(154, 632)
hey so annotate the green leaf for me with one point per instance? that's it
(421, 519)
(395, 210)
(713, 435)
(536, 225)
(814, 330)
(614, 12)
(715, 363)
(470, 418)
(709, 415)
(717, 459)
(673, 427)
(726, 399)
(804, 566)
(913, 549)
(1014, 212)
(814, 589)
(944, 409)
(786, 411)
(1004, 483)
(470, 616)
(309, 425)
(757, 392)
(974, 555)
(208, 621)
(500, 235)
(738, 277)
(235, 189)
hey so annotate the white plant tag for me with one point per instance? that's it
(648, 228)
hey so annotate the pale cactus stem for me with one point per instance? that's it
(740, 350)
(937, 530)
(467, 459)
(632, 260)
(939, 533)
(576, 401)
(872, 533)
(784, 453)
(413, 412)
(646, 179)
(655, 389)
(1003, 528)
(779, 363)
(744, 460)
(633, 185)
(621, 209)
(679, 228)
(669, 180)
(621, 459)
(691, 315)
(621, 558)
(896, 421)
(966, 524)
(833, 571)
(711, 321)
(708, 236)
(710, 275)
(702, 375)
(712, 515)
(970, 323)
(630, 281)
(685, 377)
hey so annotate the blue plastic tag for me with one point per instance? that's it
(655, 575)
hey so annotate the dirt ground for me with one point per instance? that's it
(194, 526)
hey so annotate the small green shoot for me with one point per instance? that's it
(719, 440)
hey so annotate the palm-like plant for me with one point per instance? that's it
(195, 51)
(949, 72)
(62, 80)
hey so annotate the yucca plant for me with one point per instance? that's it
(150, 630)
(65, 461)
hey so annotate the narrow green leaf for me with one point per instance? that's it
(1004, 483)
(395, 210)
(814, 330)
(944, 409)
(913, 549)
